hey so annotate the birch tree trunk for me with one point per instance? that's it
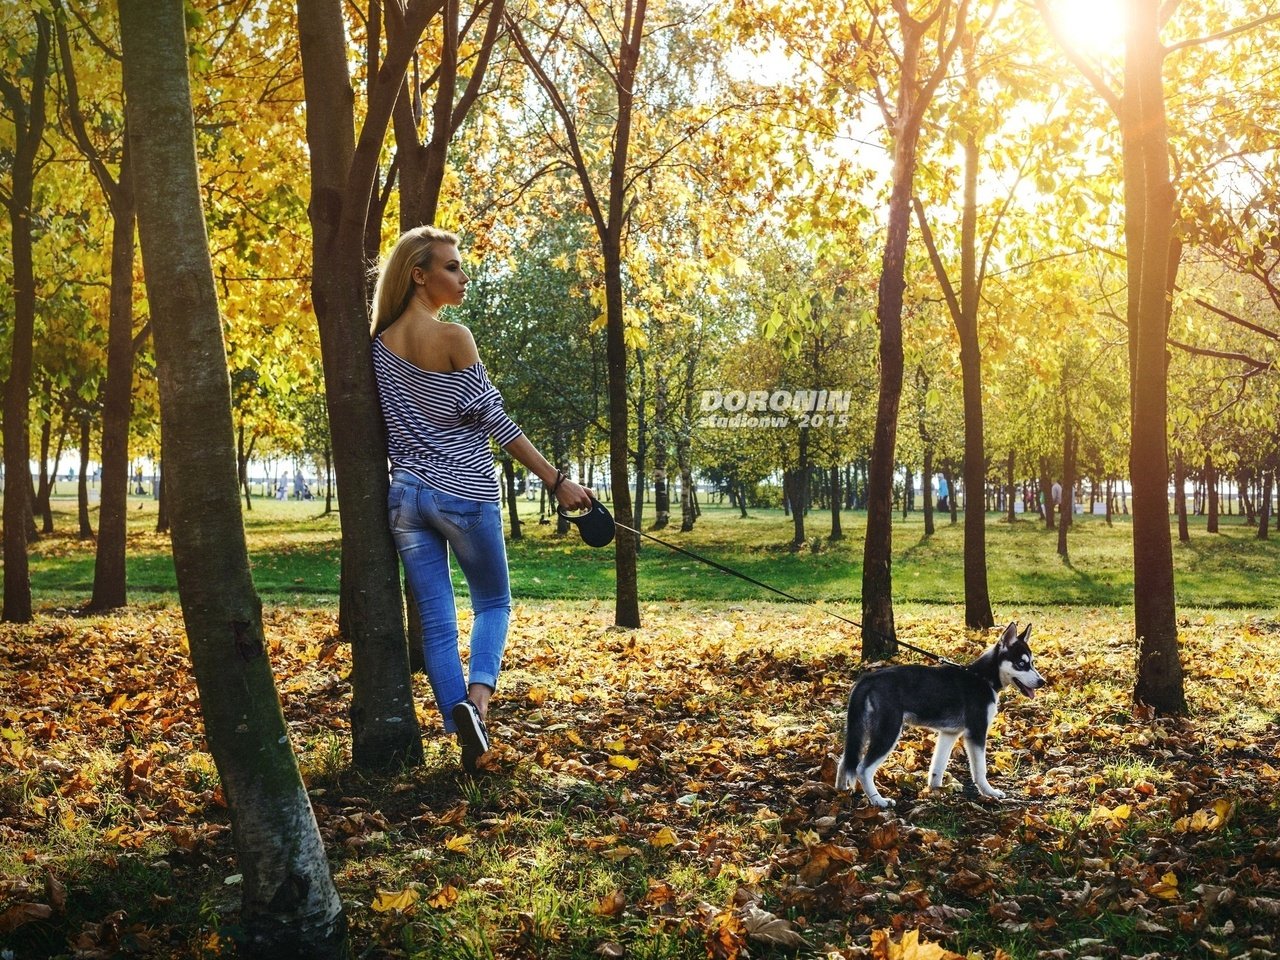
(290, 907)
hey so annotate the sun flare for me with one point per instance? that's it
(1094, 27)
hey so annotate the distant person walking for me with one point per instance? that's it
(440, 410)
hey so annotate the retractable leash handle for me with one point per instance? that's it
(594, 524)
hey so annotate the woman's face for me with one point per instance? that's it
(444, 282)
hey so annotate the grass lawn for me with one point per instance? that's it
(296, 561)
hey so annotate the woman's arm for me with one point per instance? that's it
(571, 496)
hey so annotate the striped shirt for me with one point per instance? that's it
(439, 424)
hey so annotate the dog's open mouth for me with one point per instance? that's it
(1026, 691)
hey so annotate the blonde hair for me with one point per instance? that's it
(394, 288)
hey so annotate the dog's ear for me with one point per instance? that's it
(1010, 633)
(1025, 635)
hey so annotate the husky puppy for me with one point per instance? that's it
(955, 701)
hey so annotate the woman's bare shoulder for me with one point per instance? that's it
(462, 345)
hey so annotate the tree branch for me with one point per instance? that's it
(948, 291)
(1257, 366)
(571, 131)
(1220, 35)
(1238, 320)
(109, 183)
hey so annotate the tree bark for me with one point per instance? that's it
(423, 165)
(1264, 504)
(964, 314)
(290, 907)
(1046, 494)
(837, 533)
(1160, 682)
(384, 727)
(797, 481)
(44, 490)
(1180, 496)
(82, 485)
(953, 492)
(661, 449)
(928, 485)
(1068, 478)
(1011, 486)
(29, 123)
(109, 589)
(513, 505)
(627, 603)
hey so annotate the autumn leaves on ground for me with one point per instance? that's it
(665, 792)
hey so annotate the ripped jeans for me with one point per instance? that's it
(426, 525)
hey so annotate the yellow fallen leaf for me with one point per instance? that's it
(911, 947)
(402, 900)
(1113, 818)
(615, 746)
(445, 898)
(1166, 888)
(623, 763)
(663, 838)
(538, 695)
(459, 843)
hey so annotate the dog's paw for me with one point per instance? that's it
(882, 802)
(991, 793)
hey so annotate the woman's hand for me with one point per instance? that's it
(572, 496)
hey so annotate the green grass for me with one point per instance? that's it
(295, 556)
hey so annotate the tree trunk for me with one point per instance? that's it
(977, 598)
(1160, 681)
(243, 454)
(642, 449)
(29, 133)
(661, 452)
(836, 502)
(513, 503)
(1046, 494)
(928, 486)
(1243, 480)
(800, 491)
(82, 486)
(879, 637)
(1264, 504)
(1011, 486)
(1068, 479)
(44, 491)
(1180, 496)
(384, 728)
(109, 590)
(953, 493)
(290, 907)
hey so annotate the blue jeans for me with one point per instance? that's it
(426, 525)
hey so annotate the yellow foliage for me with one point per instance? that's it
(401, 901)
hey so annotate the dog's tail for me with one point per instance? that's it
(847, 770)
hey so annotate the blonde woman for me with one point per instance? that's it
(441, 410)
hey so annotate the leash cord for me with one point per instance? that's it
(782, 593)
